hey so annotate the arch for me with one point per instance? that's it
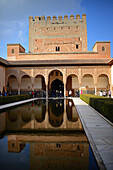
(103, 82)
(39, 82)
(88, 83)
(55, 70)
(72, 83)
(26, 85)
(55, 83)
(40, 110)
(71, 111)
(12, 84)
(55, 111)
(25, 114)
(13, 115)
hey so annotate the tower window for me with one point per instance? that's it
(56, 73)
(13, 50)
(76, 46)
(103, 48)
(57, 48)
(52, 73)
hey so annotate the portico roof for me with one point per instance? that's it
(56, 62)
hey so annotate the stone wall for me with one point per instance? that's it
(48, 35)
(2, 77)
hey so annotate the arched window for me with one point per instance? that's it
(103, 48)
(76, 46)
(13, 50)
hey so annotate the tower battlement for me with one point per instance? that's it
(48, 18)
(62, 33)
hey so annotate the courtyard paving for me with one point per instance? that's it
(99, 132)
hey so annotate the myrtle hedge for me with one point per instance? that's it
(103, 105)
(14, 98)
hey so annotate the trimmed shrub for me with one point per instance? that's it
(103, 105)
(15, 98)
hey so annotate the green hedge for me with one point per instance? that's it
(103, 105)
(15, 98)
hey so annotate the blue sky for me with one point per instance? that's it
(14, 19)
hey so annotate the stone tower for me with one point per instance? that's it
(57, 34)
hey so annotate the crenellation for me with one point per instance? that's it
(54, 18)
(65, 16)
(84, 17)
(42, 18)
(59, 17)
(48, 18)
(30, 18)
(77, 16)
(36, 18)
(71, 16)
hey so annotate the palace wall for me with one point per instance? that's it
(2, 78)
(97, 53)
(85, 77)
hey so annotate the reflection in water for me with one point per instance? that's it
(40, 110)
(40, 115)
(72, 114)
(55, 111)
(26, 129)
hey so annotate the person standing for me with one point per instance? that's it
(109, 93)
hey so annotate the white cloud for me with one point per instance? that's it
(14, 16)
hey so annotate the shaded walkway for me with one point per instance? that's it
(99, 133)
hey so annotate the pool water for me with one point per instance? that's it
(44, 134)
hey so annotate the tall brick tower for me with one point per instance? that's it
(57, 35)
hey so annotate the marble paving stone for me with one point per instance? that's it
(99, 133)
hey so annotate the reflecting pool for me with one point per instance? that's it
(44, 134)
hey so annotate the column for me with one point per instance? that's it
(46, 82)
(32, 82)
(64, 90)
(18, 90)
(111, 84)
(95, 89)
(46, 90)
(80, 79)
(19, 85)
(80, 88)
(64, 81)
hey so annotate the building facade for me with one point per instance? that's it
(58, 60)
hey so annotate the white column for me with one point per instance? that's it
(95, 89)
(111, 86)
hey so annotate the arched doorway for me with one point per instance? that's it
(73, 85)
(12, 85)
(26, 86)
(88, 84)
(103, 82)
(39, 86)
(56, 86)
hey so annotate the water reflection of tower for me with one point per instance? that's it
(14, 144)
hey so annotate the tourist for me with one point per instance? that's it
(109, 93)
(60, 93)
(81, 92)
(32, 94)
(104, 93)
(0, 93)
(101, 93)
(70, 92)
